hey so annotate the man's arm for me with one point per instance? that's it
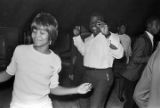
(4, 76)
(79, 44)
(116, 47)
(77, 40)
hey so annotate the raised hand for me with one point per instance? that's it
(76, 31)
(84, 88)
(103, 27)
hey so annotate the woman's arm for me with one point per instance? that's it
(82, 89)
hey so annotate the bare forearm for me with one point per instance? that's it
(63, 91)
(4, 76)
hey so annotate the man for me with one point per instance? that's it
(99, 51)
(142, 50)
(36, 68)
(147, 90)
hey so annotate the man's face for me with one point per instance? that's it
(94, 29)
(40, 37)
(155, 27)
(93, 25)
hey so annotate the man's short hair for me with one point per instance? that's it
(98, 15)
(48, 22)
(151, 19)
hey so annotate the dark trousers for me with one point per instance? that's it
(129, 87)
(102, 80)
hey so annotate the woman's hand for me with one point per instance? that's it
(84, 88)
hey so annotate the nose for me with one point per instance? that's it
(37, 35)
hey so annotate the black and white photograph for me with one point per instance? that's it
(79, 54)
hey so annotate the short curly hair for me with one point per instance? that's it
(48, 22)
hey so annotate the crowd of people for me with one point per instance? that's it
(123, 57)
(103, 57)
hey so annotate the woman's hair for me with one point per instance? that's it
(48, 22)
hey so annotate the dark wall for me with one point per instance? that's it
(70, 12)
(17, 14)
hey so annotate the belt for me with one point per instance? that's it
(90, 68)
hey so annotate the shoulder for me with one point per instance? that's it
(55, 56)
(22, 48)
(140, 42)
(141, 37)
(127, 36)
(89, 38)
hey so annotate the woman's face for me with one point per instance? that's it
(40, 37)
(122, 29)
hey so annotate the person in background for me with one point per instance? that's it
(146, 93)
(125, 41)
(142, 50)
(120, 64)
(36, 68)
(99, 51)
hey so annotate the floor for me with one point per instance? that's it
(59, 102)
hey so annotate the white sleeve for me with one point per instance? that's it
(11, 68)
(54, 81)
(78, 42)
(117, 53)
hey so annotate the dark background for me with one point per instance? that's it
(17, 13)
(16, 16)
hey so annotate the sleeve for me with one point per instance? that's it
(138, 49)
(142, 90)
(11, 68)
(117, 53)
(54, 81)
(78, 42)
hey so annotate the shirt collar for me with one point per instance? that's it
(150, 36)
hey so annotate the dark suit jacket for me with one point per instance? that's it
(142, 50)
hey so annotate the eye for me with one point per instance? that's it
(34, 30)
(43, 32)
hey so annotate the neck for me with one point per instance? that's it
(44, 49)
(95, 34)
